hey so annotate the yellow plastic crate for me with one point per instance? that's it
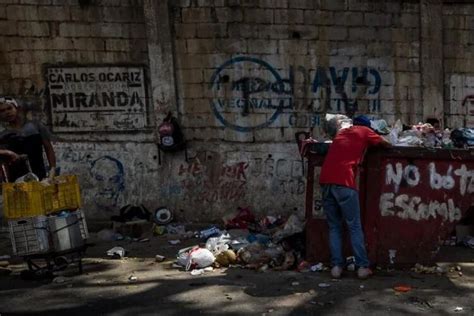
(63, 193)
(24, 200)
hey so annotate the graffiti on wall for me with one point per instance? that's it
(285, 175)
(101, 176)
(411, 204)
(249, 93)
(204, 185)
(108, 177)
(96, 98)
(210, 178)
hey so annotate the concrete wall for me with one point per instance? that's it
(458, 50)
(242, 76)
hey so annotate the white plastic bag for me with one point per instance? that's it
(395, 132)
(216, 245)
(200, 258)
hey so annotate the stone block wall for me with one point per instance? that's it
(35, 33)
(458, 50)
(242, 77)
(38, 33)
(333, 56)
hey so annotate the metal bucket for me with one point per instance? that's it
(65, 232)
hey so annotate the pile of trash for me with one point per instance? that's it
(428, 135)
(268, 243)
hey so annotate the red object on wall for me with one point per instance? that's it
(411, 200)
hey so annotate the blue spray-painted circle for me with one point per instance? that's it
(215, 76)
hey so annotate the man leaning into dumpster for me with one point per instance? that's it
(339, 191)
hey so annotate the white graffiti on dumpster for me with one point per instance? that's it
(414, 207)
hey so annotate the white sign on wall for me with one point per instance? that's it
(84, 99)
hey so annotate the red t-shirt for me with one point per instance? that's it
(345, 154)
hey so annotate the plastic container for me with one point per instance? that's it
(82, 223)
(63, 194)
(24, 200)
(29, 235)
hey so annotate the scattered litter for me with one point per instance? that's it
(195, 257)
(295, 283)
(419, 301)
(163, 215)
(132, 278)
(213, 231)
(317, 267)
(362, 286)
(240, 219)
(418, 268)
(458, 268)
(304, 266)
(458, 309)
(468, 241)
(403, 288)
(175, 229)
(116, 252)
(324, 285)
(226, 258)
(159, 230)
(160, 258)
(174, 241)
(219, 244)
(60, 280)
(208, 269)
(197, 272)
(292, 226)
(263, 268)
(144, 240)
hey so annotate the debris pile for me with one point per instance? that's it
(261, 244)
(427, 134)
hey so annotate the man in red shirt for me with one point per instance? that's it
(339, 190)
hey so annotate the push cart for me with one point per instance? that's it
(47, 227)
(45, 264)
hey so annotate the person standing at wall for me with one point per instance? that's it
(25, 137)
(340, 195)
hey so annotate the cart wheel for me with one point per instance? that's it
(61, 263)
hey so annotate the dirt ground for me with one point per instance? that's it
(105, 289)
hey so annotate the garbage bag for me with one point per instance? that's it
(241, 220)
(292, 226)
(195, 257)
(216, 245)
(201, 258)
